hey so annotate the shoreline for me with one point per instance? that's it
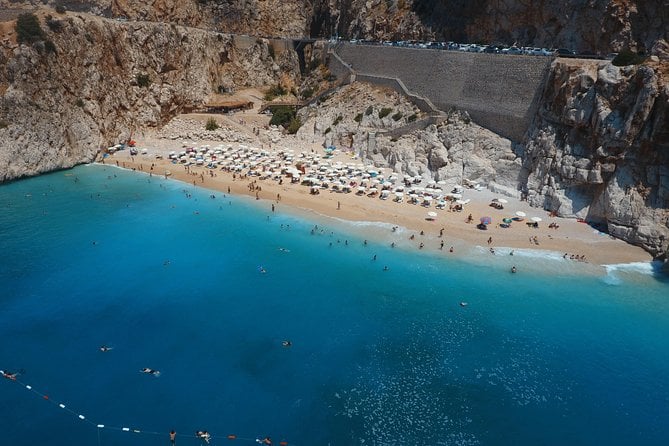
(572, 237)
(250, 129)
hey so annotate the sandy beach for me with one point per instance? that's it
(570, 238)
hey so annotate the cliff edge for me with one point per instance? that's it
(92, 82)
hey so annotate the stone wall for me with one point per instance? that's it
(497, 91)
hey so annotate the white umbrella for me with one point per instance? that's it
(537, 219)
(399, 194)
(502, 200)
(432, 214)
(520, 214)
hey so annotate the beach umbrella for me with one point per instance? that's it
(507, 220)
(431, 215)
(520, 214)
(399, 194)
(502, 200)
(486, 220)
(535, 219)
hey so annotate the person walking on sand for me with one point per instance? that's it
(338, 205)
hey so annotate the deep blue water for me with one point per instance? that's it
(98, 255)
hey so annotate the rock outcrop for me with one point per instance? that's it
(103, 79)
(599, 26)
(451, 150)
(599, 150)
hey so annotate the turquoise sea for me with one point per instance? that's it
(170, 278)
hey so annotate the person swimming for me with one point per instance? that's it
(463, 304)
(150, 371)
(286, 343)
(104, 348)
(9, 375)
(203, 435)
(513, 269)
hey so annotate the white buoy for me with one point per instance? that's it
(29, 388)
(101, 426)
(126, 429)
(62, 406)
(82, 417)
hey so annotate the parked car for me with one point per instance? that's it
(564, 52)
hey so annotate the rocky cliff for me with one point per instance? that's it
(599, 149)
(584, 25)
(103, 79)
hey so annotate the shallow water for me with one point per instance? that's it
(99, 255)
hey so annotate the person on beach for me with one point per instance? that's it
(450, 249)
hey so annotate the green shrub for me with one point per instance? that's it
(307, 93)
(627, 57)
(369, 110)
(60, 9)
(143, 80)
(384, 112)
(54, 25)
(412, 118)
(397, 116)
(294, 125)
(211, 124)
(282, 115)
(28, 29)
(358, 118)
(327, 130)
(274, 92)
(337, 120)
(50, 47)
(80, 102)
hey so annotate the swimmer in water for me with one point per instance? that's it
(286, 343)
(262, 270)
(9, 375)
(463, 304)
(150, 371)
(204, 435)
(513, 269)
(104, 348)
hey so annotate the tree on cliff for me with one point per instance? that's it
(28, 29)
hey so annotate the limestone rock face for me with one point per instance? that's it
(450, 150)
(599, 26)
(107, 79)
(599, 150)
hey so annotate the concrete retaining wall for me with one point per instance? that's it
(497, 91)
